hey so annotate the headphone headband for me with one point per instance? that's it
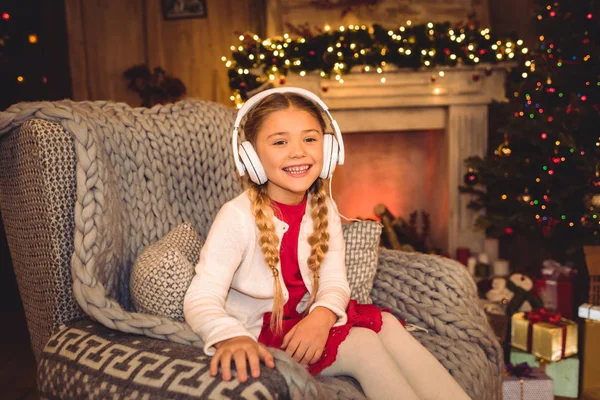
(251, 102)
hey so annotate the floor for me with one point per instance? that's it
(17, 363)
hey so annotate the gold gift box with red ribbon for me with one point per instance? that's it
(545, 334)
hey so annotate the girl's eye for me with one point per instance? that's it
(310, 139)
(279, 142)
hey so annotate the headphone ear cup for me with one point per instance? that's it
(251, 162)
(331, 150)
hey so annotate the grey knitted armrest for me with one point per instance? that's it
(437, 294)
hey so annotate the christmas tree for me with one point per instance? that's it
(542, 173)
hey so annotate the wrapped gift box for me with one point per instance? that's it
(551, 341)
(564, 373)
(538, 386)
(592, 395)
(589, 311)
(499, 325)
(495, 313)
(557, 295)
(591, 358)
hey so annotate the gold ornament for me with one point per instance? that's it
(503, 150)
(525, 197)
(595, 200)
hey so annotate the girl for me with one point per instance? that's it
(271, 272)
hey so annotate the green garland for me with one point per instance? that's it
(335, 52)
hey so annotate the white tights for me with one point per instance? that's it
(392, 364)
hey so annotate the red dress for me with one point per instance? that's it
(361, 315)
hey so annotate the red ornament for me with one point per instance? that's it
(311, 53)
(5, 16)
(509, 231)
(282, 80)
(482, 52)
(471, 178)
(432, 79)
(475, 77)
(273, 60)
(325, 88)
(556, 160)
(447, 51)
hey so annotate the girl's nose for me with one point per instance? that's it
(297, 150)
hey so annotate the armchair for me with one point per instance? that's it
(86, 186)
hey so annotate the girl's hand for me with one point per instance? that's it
(306, 341)
(240, 348)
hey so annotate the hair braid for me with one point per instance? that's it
(268, 241)
(319, 239)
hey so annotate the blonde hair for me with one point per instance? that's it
(263, 212)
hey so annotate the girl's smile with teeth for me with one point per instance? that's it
(297, 169)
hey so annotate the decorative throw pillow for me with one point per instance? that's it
(362, 244)
(163, 272)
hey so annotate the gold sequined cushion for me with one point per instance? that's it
(163, 272)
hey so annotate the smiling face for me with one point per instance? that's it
(290, 147)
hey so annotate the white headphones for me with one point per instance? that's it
(246, 159)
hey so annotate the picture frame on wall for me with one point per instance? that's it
(180, 9)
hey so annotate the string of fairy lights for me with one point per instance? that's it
(333, 53)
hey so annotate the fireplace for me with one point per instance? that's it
(404, 170)
(406, 140)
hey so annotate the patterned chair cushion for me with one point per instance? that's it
(86, 360)
(362, 244)
(163, 272)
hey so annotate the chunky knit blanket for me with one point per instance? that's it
(140, 172)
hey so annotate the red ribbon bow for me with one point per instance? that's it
(543, 315)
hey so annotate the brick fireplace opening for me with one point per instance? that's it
(404, 170)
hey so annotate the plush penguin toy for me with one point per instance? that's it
(516, 292)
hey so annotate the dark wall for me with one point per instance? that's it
(47, 58)
(44, 65)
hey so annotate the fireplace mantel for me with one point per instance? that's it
(455, 101)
